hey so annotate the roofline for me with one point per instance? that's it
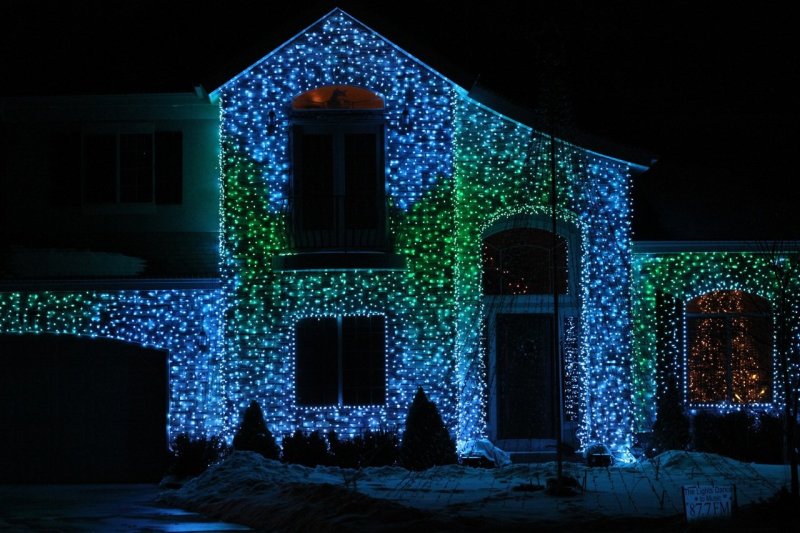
(636, 167)
(677, 247)
(197, 94)
(638, 162)
(80, 285)
(214, 95)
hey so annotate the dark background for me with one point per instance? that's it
(708, 88)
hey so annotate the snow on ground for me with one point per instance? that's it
(249, 489)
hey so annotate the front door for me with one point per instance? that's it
(524, 370)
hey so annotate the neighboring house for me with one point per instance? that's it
(339, 225)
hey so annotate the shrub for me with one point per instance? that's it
(741, 436)
(191, 457)
(381, 448)
(731, 434)
(305, 449)
(770, 439)
(426, 441)
(345, 453)
(371, 448)
(671, 428)
(254, 435)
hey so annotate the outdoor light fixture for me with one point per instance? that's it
(405, 119)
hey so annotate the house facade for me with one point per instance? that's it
(350, 225)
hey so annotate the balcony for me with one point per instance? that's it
(338, 232)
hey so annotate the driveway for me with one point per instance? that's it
(104, 508)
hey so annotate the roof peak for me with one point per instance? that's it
(337, 11)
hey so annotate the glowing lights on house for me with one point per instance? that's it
(453, 168)
(495, 179)
(705, 318)
(457, 167)
(183, 322)
(340, 51)
(728, 355)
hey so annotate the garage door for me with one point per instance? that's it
(79, 410)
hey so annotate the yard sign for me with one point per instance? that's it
(708, 501)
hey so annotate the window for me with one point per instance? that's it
(133, 168)
(338, 196)
(340, 361)
(519, 261)
(729, 348)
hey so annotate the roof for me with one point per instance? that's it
(638, 160)
(97, 256)
(214, 95)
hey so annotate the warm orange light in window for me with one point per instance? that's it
(338, 97)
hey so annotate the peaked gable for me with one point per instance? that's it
(339, 50)
(339, 17)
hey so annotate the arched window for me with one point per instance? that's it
(337, 97)
(729, 342)
(519, 261)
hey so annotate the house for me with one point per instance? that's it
(336, 226)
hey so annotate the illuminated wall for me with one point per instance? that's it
(454, 171)
(261, 304)
(681, 277)
(183, 322)
(458, 168)
(503, 170)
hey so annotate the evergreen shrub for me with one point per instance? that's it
(426, 441)
(254, 435)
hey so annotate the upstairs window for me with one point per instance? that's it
(340, 361)
(729, 342)
(338, 97)
(519, 261)
(338, 197)
(124, 168)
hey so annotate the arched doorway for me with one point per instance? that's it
(79, 410)
(518, 260)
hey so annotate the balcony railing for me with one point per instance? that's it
(343, 223)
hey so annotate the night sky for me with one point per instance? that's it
(710, 90)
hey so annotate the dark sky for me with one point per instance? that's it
(708, 87)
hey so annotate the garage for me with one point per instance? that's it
(81, 410)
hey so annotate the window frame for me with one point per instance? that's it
(341, 355)
(728, 359)
(118, 131)
(342, 235)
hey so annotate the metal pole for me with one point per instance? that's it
(554, 278)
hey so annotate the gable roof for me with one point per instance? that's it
(214, 95)
(637, 160)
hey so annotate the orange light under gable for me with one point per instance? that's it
(337, 97)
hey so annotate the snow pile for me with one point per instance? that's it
(249, 489)
(484, 448)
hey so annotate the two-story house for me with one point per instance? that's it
(334, 227)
